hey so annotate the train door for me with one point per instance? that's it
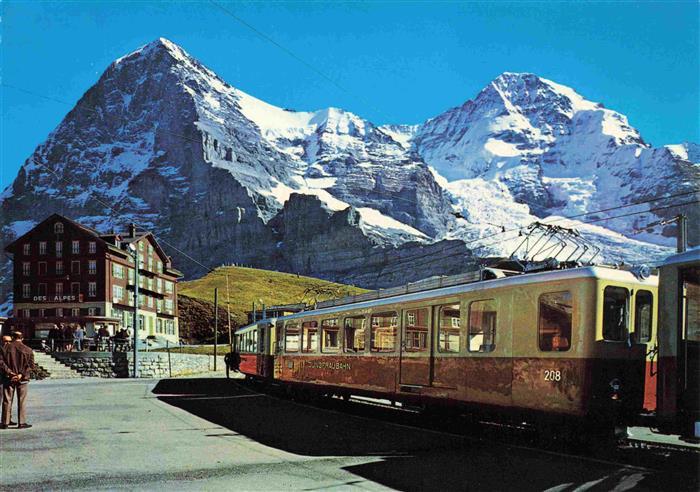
(416, 347)
(645, 334)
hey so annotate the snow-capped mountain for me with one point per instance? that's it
(223, 176)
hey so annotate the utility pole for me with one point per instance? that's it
(228, 313)
(216, 322)
(135, 250)
(682, 234)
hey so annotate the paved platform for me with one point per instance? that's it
(213, 434)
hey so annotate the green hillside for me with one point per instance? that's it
(248, 285)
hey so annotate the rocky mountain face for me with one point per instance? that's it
(162, 141)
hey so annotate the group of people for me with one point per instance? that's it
(74, 337)
(16, 364)
(66, 337)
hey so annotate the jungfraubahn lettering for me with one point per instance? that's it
(336, 366)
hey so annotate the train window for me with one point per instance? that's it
(449, 328)
(330, 340)
(615, 317)
(309, 336)
(254, 341)
(383, 334)
(691, 304)
(643, 305)
(416, 330)
(291, 336)
(482, 326)
(355, 334)
(554, 325)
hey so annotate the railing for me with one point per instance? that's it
(87, 344)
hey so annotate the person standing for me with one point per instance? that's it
(16, 362)
(78, 336)
(4, 341)
(67, 334)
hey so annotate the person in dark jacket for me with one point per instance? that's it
(16, 362)
(4, 341)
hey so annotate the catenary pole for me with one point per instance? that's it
(228, 314)
(216, 322)
(136, 308)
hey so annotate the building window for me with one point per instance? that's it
(150, 284)
(160, 266)
(26, 290)
(59, 249)
(42, 290)
(27, 249)
(26, 313)
(42, 247)
(159, 325)
(330, 340)
(42, 313)
(92, 267)
(58, 289)
(75, 247)
(417, 330)
(482, 326)
(75, 289)
(169, 306)
(92, 311)
(26, 268)
(131, 275)
(58, 228)
(75, 312)
(92, 247)
(59, 312)
(141, 322)
(383, 332)
(355, 334)
(75, 267)
(117, 292)
(59, 267)
(643, 304)
(168, 287)
(141, 246)
(291, 336)
(149, 301)
(42, 268)
(309, 336)
(615, 317)
(554, 325)
(449, 328)
(117, 271)
(159, 284)
(92, 289)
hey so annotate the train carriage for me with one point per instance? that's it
(679, 344)
(563, 343)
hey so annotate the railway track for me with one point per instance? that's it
(632, 455)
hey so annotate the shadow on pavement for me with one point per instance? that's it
(410, 458)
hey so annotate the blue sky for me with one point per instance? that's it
(397, 62)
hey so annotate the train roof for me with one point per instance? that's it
(600, 272)
(687, 257)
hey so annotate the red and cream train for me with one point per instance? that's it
(578, 343)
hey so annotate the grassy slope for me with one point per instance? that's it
(248, 285)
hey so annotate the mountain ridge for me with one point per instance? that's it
(214, 170)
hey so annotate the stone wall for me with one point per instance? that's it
(151, 364)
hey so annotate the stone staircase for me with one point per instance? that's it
(48, 367)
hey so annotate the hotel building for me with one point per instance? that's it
(67, 273)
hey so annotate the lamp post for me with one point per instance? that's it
(135, 254)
